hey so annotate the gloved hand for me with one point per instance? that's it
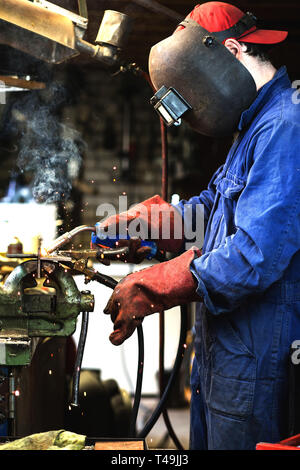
(137, 253)
(159, 222)
(151, 290)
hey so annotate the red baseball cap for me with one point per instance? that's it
(219, 16)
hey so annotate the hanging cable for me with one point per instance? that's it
(160, 409)
(110, 282)
(177, 364)
(164, 193)
(78, 362)
(139, 382)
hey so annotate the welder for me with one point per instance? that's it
(246, 278)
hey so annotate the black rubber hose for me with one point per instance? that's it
(171, 431)
(110, 282)
(164, 193)
(139, 383)
(177, 364)
(78, 362)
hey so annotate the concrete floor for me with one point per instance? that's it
(158, 438)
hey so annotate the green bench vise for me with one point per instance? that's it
(37, 301)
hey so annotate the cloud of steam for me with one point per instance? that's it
(49, 150)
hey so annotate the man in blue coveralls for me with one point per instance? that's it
(246, 279)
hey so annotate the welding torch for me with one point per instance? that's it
(100, 238)
(67, 237)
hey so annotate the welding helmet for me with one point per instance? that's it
(195, 76)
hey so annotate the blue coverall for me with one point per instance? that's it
(249, 279)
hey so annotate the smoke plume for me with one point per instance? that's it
(49, 150)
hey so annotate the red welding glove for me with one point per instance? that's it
(151, 290)
(155, 219)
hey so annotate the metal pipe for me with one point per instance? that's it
(106, 53)
(68, 236)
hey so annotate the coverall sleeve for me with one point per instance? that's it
(267, 221)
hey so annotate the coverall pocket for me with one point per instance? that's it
(233, 373)
(231, 397)
(230, 186)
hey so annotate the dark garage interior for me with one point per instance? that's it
(74, 136)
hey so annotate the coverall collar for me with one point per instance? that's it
(279, 80)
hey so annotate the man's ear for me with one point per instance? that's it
(234, 47)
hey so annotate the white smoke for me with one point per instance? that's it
(49, 150)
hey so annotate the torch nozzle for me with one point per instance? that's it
(67, 236)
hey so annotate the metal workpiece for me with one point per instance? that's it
(114, 29)
(111, 38)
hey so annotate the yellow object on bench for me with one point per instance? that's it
(51, 440)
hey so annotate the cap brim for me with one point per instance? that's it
(265, 36)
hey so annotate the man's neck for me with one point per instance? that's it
(262, 72)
